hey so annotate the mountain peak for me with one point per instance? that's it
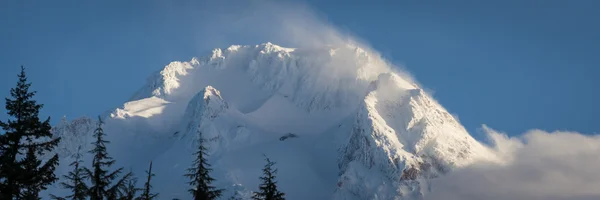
(204, 107)
(375, 133)
(270, 47)
(212, 95)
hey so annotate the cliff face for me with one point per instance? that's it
(400, 139)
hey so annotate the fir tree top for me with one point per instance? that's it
(268, 188)
(99, 175)
(76, 179)
(200, 178)
(146, 193)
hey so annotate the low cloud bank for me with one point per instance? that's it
(538, 165)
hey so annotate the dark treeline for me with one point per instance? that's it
(27, 162)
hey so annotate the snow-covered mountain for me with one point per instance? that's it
(339, 121)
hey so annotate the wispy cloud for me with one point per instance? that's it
(285, 23)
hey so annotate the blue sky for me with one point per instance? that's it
(513, 65)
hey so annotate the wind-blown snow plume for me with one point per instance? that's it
(288, 23)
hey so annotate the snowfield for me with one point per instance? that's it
(361, 130)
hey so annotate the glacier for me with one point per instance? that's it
(363, 129)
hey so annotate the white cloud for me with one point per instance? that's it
(539, 165)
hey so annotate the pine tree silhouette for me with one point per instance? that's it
(76, 180)
(268, 187)
(30, 163)
(130, 190)
(24, 176)
(146, 194)
(200, 178)
(99, 175)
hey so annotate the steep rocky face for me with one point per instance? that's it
(404, 137)
(360, 130)
(74, 134)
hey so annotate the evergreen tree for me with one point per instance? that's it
(24, 176)
(146, 194)
(199, 176)
(268, 187)
(30, 164)
(130, 190)
(99, 175)
(75, 179)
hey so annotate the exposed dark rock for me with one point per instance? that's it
(289, 135)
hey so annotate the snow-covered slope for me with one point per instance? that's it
(400, 139)
(362, 130)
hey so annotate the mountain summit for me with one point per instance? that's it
(340, 122)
